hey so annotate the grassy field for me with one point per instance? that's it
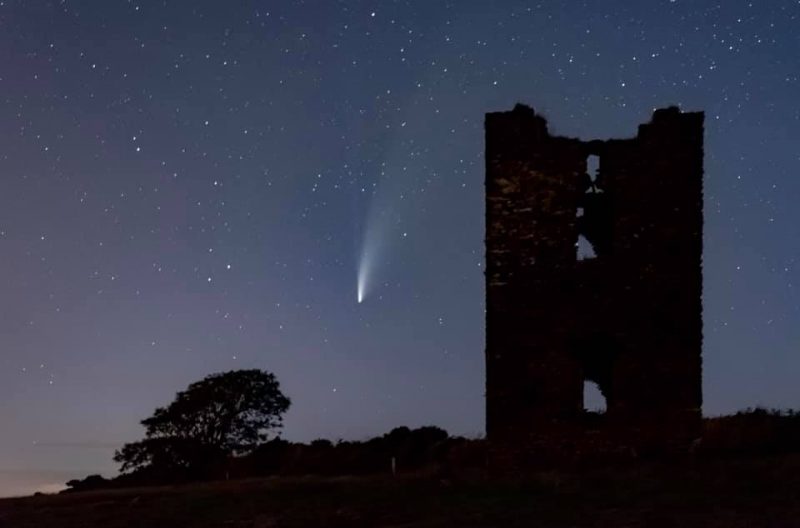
(756, 492)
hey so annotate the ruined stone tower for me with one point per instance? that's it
(592, 276)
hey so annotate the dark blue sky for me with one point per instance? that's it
(192, 186)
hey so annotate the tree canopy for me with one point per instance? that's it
(222, 414)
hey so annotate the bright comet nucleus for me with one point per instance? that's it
(363, 274)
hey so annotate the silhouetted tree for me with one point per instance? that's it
(221, 415)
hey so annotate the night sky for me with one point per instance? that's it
(196, 186)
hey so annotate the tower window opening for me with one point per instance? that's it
(584, 249)
(593, 167)
(593, 215)
(593, 399)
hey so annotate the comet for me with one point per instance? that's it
(377, 232)
(384, 225)
(360, 285)
(365, 268)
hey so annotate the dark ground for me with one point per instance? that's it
(754, 492)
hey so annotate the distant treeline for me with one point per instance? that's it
(752, 432)
(430, 449)
(402, 450)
